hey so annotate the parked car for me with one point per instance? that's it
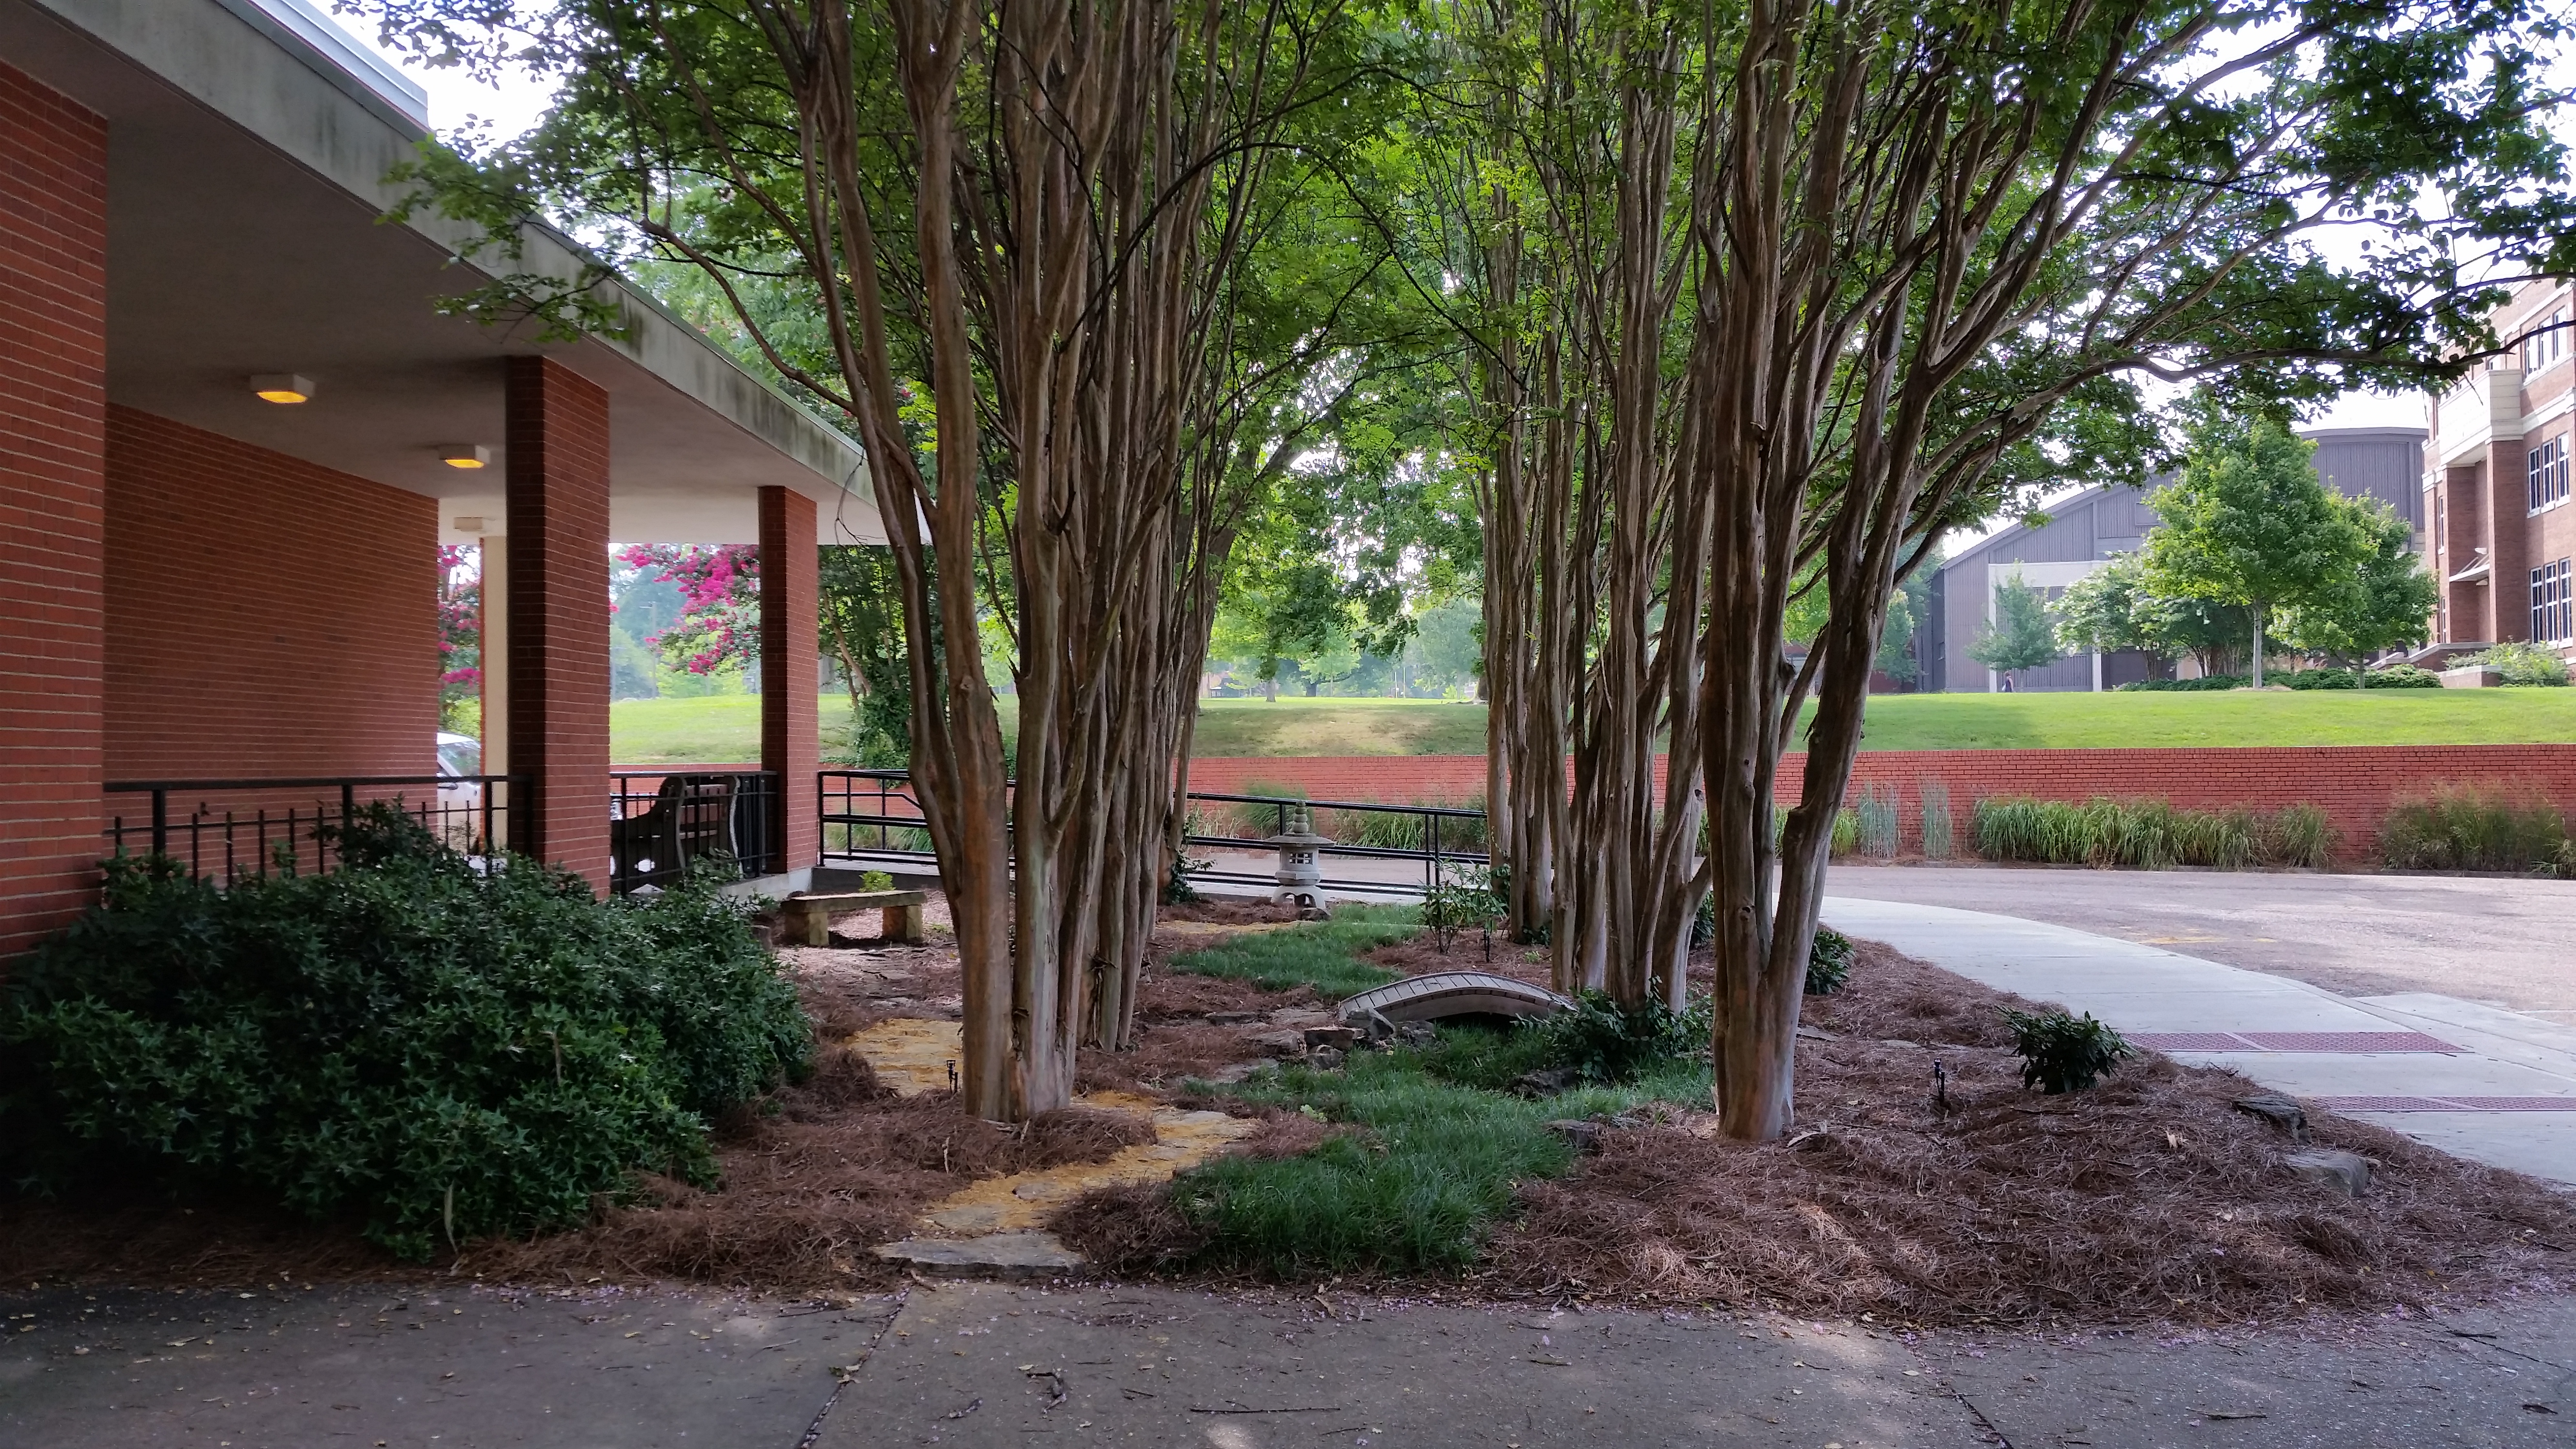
(460, 794)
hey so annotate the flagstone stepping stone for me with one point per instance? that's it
(993, 1255)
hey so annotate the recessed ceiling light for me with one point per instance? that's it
(282, 387)
(469, 523)
(466, 455)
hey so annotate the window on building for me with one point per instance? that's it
(2553, 604)
(2546, 467)
(2544, 341)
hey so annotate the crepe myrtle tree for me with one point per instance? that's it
(1011, 232)
(1940, 246)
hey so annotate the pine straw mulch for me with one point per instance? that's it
(2148, 1197)
(810, 1179)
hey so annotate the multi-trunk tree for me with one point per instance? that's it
(1010, 235)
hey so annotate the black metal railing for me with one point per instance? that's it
(233, 828)
(662, 823)
(872, 816)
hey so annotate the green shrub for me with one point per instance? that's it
(2062, 1053)
(428, 1049)
(1606, 1043)
(2525, 665)
(2318, 679)
(1829, 960)
(875, 880)
(2206, 681)
(2147, 834)
(2400, 676)
(1465, 901)
(2472, 827)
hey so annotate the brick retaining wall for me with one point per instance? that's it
(2353, 784)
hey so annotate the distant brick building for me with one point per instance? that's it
(2497, 488)
(231, 430)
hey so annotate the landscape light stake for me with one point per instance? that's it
(1940, 1090)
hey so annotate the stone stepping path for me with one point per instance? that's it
(995, 1228)
(2474, 1080)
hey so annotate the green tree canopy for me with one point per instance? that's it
(2022, 636)
(2249, 523)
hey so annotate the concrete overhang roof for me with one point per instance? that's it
(248, 141)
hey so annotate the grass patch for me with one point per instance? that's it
(1312, 953)
(1238, 727)
(715, 729)
(1433, 1161)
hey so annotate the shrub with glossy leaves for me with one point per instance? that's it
(1602, 1041)
(1829, 960)
(2062, 1053)
(429, 1049)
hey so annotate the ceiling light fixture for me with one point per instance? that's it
(466, 455)
(282, 387)
(469, 523)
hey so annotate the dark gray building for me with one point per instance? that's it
(2084, 531)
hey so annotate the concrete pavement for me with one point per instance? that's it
(991, 1365)
(2504, 941)
(2405, 1061)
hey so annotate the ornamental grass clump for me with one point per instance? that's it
(2472, 827)
(2148, 834)
(426, 1049)
(2062, 1053)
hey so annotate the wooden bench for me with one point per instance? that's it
(806, 917)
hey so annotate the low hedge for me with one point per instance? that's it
(430, 1047)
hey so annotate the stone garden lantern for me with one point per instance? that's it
(1301, 861)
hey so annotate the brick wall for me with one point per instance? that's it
(265, 616)
(2353, 784)
(53, 411)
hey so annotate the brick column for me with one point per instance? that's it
(789, 608)
(557, 472)
(2509, 563)
(53, 507)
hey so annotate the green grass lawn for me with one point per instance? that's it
(2229, 718)
(726, 728)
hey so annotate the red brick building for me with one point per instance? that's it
(2500, 531)
(199, 582)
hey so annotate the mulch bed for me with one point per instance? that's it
(2148, 1196)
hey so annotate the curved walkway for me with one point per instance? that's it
(2505, 941)
(2490, 1084)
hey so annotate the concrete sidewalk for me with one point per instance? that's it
(990, 1365)
(2405, 1061)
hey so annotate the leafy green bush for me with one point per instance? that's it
(2206, 681)
(426, 1048)
(2148, 834)
(2400, 676)
(1601, 1041)
(2062, 1053)
(2472, 827)
(1467, 901)
(1829, 960)
(2318, 679)
(2526, 665)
